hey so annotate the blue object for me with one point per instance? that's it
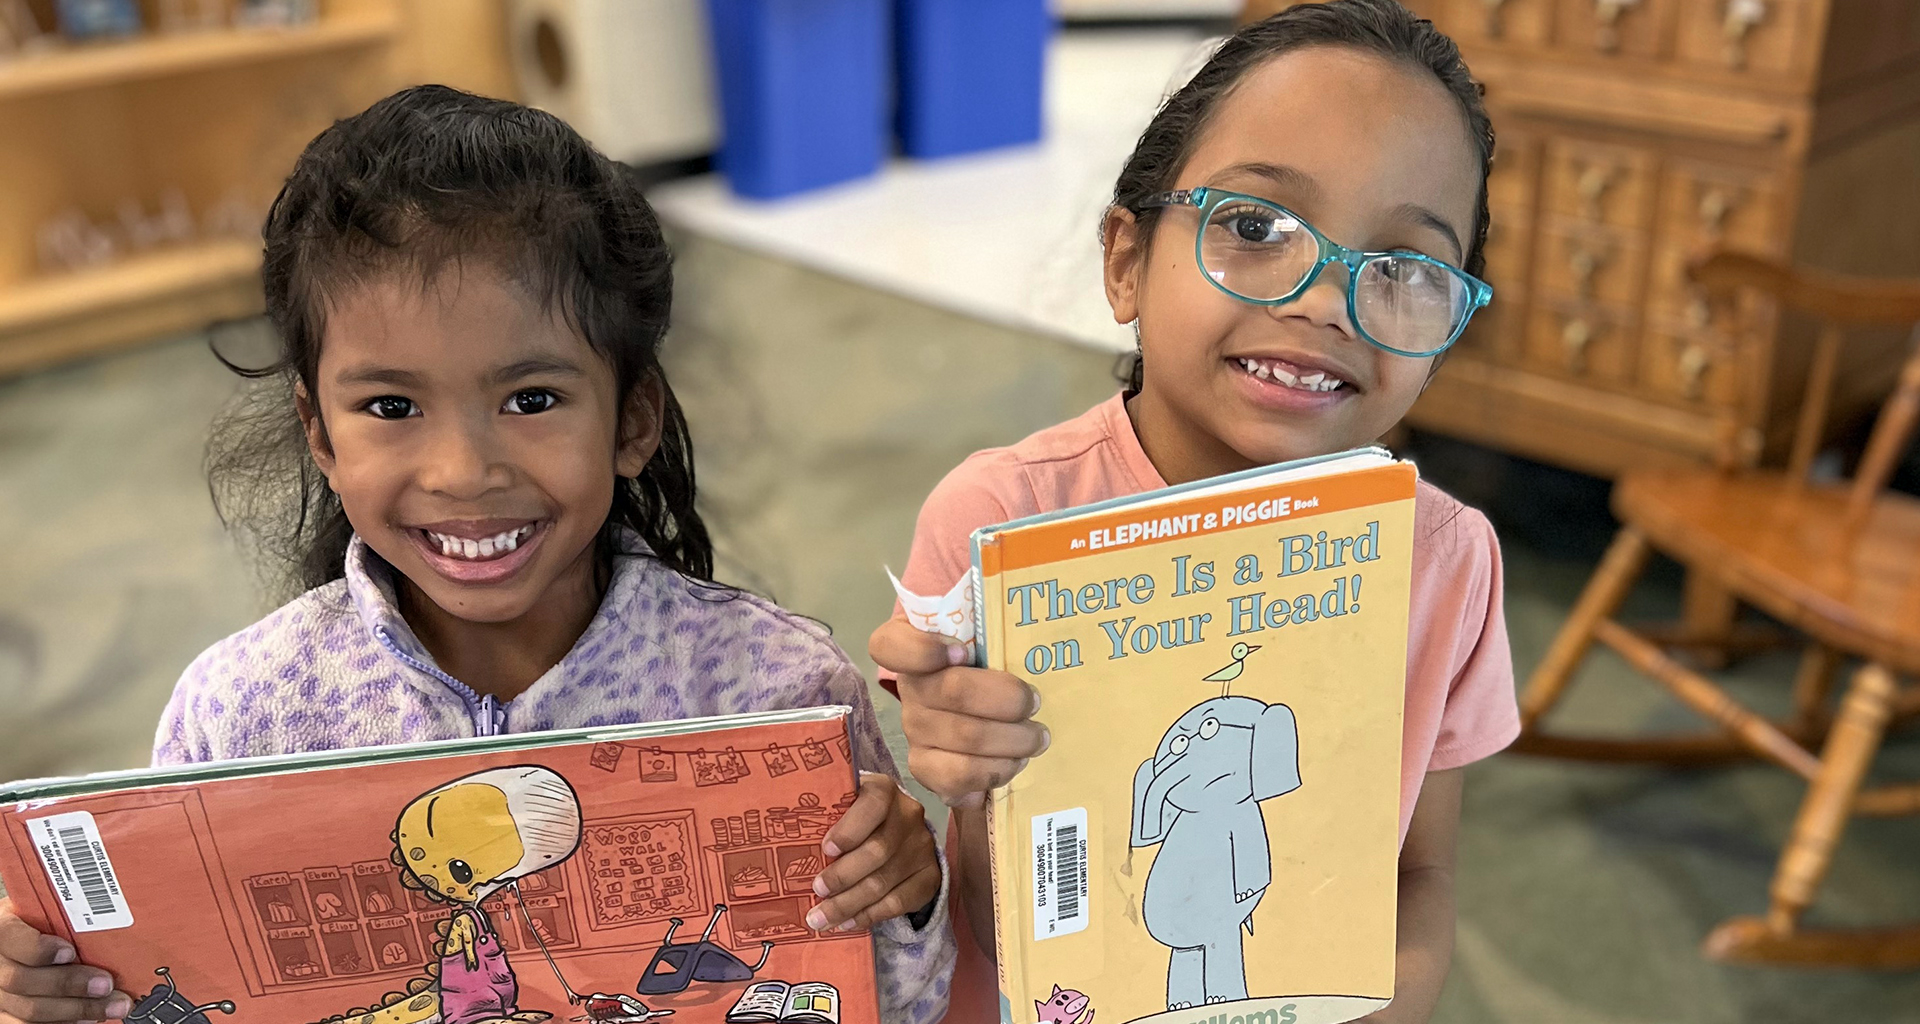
(970, 74)
(98, 19)
(803, 92)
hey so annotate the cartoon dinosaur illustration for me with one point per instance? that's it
(1065, 1006)
(460, 844)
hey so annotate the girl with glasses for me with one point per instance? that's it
(1296, 239)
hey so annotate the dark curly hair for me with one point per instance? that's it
(416, 183)
(1380, 27)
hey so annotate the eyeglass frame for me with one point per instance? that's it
(1206, 199)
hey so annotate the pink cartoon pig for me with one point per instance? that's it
(1063, 1007)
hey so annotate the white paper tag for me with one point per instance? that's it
(82, 876)
(950, 615)
(1060, 873)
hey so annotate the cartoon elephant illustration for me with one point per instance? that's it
(1199, 797)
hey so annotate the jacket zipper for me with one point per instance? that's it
(487, 713)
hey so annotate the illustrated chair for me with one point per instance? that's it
(1836, 562)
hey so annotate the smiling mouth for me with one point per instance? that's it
(1290, 375)
(482, 549)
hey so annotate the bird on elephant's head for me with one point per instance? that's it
(1221, 752)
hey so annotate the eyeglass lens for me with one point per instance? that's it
(1260, 252)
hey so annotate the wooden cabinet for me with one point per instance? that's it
(1635, 135)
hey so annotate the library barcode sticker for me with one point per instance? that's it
(1059, 873)
(82, 876)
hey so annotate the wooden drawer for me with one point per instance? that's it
(1521, 22)
(1629, 28)
(1513, 191)
(1585, 263)
(1689, 368)
(1705, 206)
(1510, 241)
(1494, 332)
(1586, 343)
(1670, 296)
(1600, 183)
(1713, 205)
(1513, 181)
(1761, 38)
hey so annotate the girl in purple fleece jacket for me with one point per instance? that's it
(487, 486)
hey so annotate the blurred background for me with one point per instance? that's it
(884, 214)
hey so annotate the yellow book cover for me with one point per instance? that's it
(1212, 837)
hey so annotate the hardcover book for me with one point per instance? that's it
(1213, 835)
(610, 875)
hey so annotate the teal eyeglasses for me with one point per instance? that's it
(1265, 254)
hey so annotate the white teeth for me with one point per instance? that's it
(486, 547)
(1316, 381)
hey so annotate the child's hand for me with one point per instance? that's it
(883, 862)
(968, 729)
(40, 982)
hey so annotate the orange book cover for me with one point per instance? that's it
(608, 875)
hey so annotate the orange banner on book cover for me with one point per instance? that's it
(1195, 517)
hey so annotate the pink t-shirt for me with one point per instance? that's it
(1460, 696)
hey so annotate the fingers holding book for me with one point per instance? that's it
(39, 982)
(968, 729)
(883, 860)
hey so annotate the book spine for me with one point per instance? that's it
(979, 615)
(1007, 949)
(999, 812)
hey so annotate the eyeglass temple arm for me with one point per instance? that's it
(1181, 197)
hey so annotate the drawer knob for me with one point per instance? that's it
(1694, 361)
(1608, 12)
(1496, 26)
(1583, 263)
(1575, 336)
(1592, 184)
(1741, 18)
(1715, 204)
(1699, 313)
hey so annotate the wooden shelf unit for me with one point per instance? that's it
(46, 318)
(214, 115)
(115, 63)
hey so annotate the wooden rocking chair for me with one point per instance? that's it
(1839, 563)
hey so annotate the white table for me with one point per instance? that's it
(1009, 237)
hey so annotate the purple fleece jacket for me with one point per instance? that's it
(338, 667)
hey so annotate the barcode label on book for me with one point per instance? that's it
(1059, 873)
(82, 876)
